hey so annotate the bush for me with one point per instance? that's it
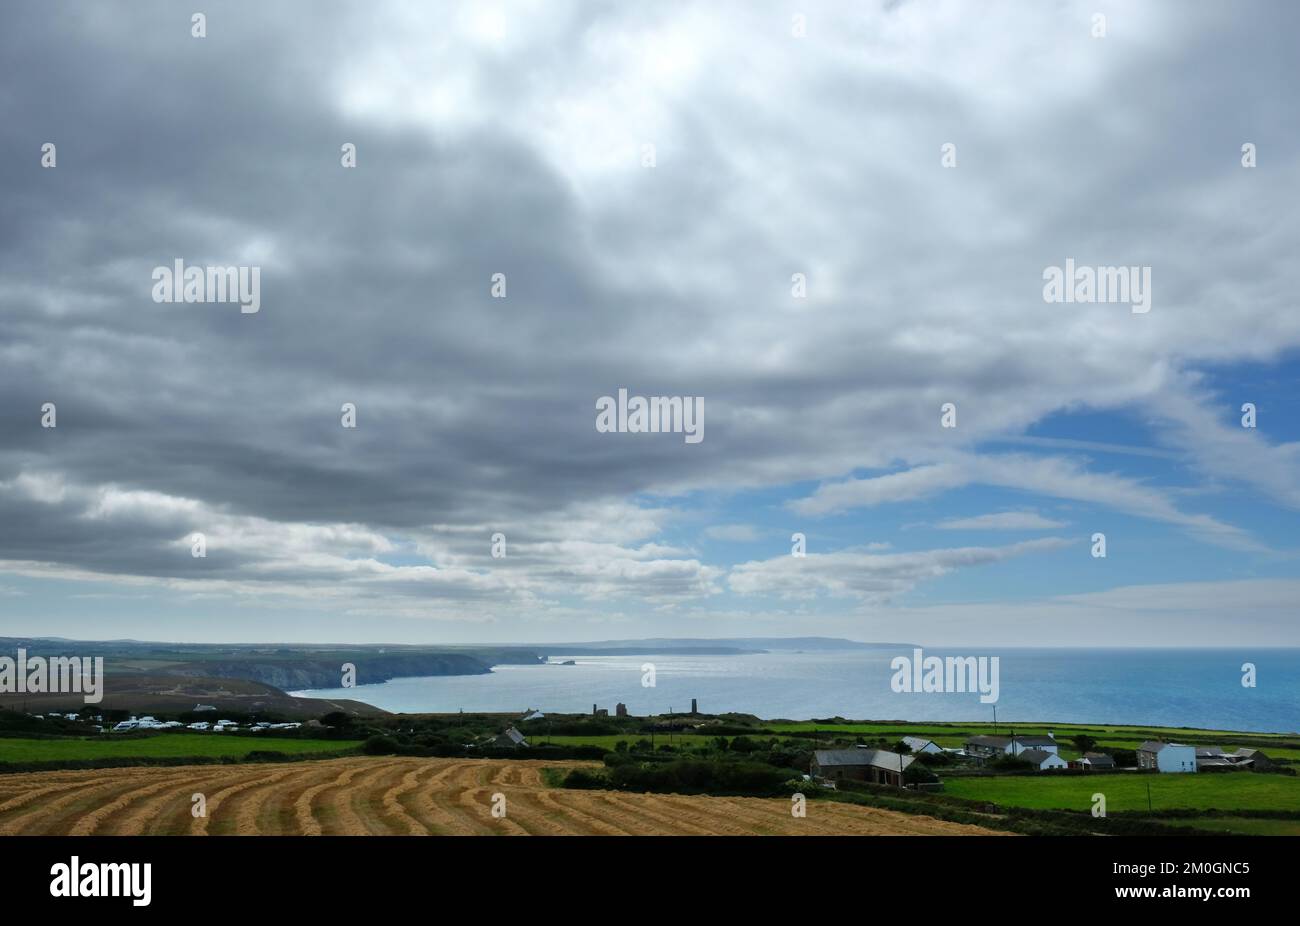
(582, 780)
(1010, 764)
(916, 773)
(380, 746)
(692, 776)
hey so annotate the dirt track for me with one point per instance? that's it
(399, 796)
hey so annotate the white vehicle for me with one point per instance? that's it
(124, 725)
(221, 726)
(200, 725)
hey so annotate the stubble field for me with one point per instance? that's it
(403, 796)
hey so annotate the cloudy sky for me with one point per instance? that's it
(649, 178)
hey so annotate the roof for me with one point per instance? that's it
(1035, 740)
(1207, 752)
(515, 736)
(1099, 758)
(1000, 741)
(1247, 752)
(1036, 756)
(860, 758)
(917, 742)
(1156, 746)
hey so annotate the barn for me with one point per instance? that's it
(877, 766)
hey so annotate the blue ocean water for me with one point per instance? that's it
(1156, 687)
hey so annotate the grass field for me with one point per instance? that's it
(609, 742)
(1108, 737)
(1228, 791)
(1062, 730)
(163, 745)
(955, 735)
(405, 796)
(1245, 826)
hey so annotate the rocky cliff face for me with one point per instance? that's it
(291, 674)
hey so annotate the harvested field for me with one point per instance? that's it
(404, 796)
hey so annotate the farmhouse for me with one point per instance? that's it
(919, 744)
(1042, 760)
(1096, 762)
(879, 766)
(988, 747)
(984, 748)
(1046, 743)
(1166, 757)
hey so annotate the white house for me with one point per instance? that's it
(1046, 743)
(1167, 757)
(1042, 760)
(919, 745)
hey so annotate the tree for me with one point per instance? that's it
(1084, 743)
(916, 773)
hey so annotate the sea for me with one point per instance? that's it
(1150, 687)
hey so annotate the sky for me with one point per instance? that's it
(824, 221)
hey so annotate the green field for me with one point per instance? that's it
(1226, 791)
(1108, 737)
(954, 735)
(160, 746)
(609, 742)
(1246, 826)
(1063, 730)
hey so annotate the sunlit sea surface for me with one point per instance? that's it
(1165, 687)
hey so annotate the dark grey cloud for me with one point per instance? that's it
(519, 155)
